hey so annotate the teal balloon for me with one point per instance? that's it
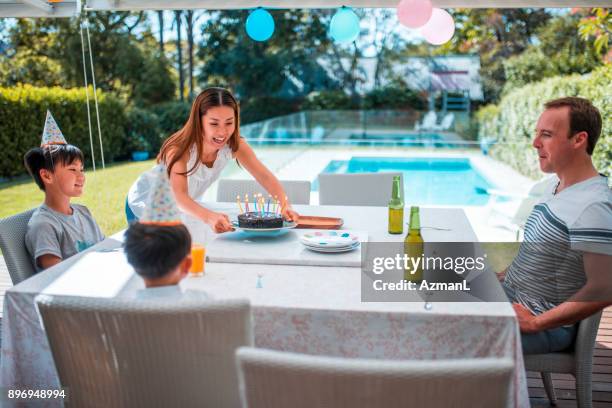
(344, 27)
(260, 25)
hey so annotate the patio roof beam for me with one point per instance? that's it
(306, 4)
(39, 4)
(37, 8)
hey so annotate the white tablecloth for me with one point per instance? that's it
(306, 309)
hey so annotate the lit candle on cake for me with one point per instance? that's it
(239, 205)
(246, 202)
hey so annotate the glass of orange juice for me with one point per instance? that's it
(198, 257)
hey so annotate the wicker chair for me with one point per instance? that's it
(126, 353)
(12, 243)
(369, 189)
(297, 191)
(578, 362)
(272, 379)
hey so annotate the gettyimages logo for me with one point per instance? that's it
(455, 271)
(412, 265)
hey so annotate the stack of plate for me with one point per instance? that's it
(330, 241)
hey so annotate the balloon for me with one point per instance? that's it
(440, 27)
(344, 27)
(414, 13)
(260, 25)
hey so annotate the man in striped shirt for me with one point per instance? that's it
(563, 271)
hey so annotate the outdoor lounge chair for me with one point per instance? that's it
(429, 121)
(273, 379)
(369, 189)
(12, 243)
(512, 213)
(445, 124)
(578, 362)
(297, 191)
(127, 353)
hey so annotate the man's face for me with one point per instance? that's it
(555, 148)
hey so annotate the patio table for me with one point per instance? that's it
(299, 307)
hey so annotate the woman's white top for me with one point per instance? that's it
(197, 182)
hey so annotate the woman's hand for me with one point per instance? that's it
(219, 222)
(289, 214)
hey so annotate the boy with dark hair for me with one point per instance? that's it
(58, 229)
(158, 253)
(158, 245)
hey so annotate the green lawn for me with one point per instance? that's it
(105, 192)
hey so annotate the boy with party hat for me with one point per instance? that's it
(158, 245)
(58, 229)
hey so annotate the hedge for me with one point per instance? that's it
(172, 116)
(143, 132)
(512, 122)
(22, 118)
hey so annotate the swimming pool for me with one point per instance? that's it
(427, 181)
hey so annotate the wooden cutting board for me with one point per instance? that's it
(307, 221)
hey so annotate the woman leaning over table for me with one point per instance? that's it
(196, 155)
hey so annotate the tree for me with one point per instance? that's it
(190, 19)
(285, 65)
(597, 24)
(385, 42)
(496, 35)
(160, 22)
(48, 52)
(559, 51)
(179, 49)
(27, 55)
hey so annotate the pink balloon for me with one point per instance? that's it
(414, 13)
(440, 27)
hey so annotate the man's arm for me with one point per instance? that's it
(595, 295)
(501, 275)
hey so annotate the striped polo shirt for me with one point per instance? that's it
(549, 267)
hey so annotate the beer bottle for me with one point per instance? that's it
(413, 246)
(396, 208)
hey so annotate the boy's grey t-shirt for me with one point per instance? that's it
(53, 233)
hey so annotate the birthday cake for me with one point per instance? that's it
(260, 220)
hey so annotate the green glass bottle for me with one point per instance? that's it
(413, 245)
(396, 208)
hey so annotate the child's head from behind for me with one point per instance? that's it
(160, 254)
(57, 168)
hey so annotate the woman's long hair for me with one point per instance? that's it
(190, 135)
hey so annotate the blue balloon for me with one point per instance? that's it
(344, 25)
(260, 25)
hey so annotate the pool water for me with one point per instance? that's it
(438, 181)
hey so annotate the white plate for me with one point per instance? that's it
(333, 250)
(322, 247)
(329, 239)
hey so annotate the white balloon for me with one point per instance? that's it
(440, 27)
